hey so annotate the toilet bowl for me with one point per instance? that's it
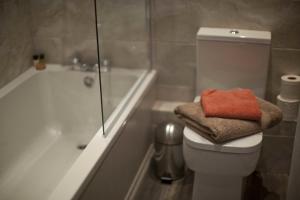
(220, 168)
(226, 58)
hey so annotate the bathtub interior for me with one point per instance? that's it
(44, 120)
(115, 87)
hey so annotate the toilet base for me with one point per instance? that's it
(216, 187)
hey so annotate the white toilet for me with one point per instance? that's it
(226, 59)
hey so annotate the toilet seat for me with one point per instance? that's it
(246, 144)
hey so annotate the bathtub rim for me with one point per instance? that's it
(80, 173)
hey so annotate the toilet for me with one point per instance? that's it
(226, 59)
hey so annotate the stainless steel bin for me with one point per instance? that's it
(168, 158)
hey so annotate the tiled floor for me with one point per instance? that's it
(266, 186)
(152, 189)
(258, 187)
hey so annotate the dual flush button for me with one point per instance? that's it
(234, 32)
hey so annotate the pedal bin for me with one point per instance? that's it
(168, 157)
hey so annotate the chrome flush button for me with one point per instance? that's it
(234, 32)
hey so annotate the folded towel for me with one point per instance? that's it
(220, 130)
(234, 104)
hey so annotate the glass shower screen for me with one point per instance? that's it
(124, 49)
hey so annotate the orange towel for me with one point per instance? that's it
(234, 104)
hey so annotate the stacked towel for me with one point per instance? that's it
(221, 130)
(234, 104)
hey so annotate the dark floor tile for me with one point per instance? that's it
(276, 184)
(266, 186)
(153, 189)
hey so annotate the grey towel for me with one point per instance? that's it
(221, 130)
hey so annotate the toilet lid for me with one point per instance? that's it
(247, 144)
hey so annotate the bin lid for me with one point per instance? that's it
(169, 133)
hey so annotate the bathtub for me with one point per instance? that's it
(52, 138)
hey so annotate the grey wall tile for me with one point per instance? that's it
(175, 63)
(4, 45)
(20, 54)
(85, 49)
(276, 154)
(179, 20)
(175, 93)
(15, 40)
(127, 54)
(47, 18)
(69, 25)
(17, 58)
(230, 13)
(174, 21)
(14, 18)
(286, 30)
(79, 20)
(283, 61)
(123, 21)
(101, 3)
(124, 33)
(51, 47)
(283, 129)
(64, 28)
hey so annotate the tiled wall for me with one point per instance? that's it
(15, 39)
(66, 28)
(63, 29)
(174, 27)
(125, 32)
(175, 23)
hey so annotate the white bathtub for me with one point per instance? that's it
(45, 116)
